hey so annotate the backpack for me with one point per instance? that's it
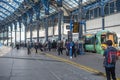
(112, 57)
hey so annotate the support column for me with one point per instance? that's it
(59, 26)
(62, 24)
(37, 11)
(85, 26)
(25, 33)
(30, 15)
(46, 28)
(11, 32)
(7, 35)
(24, 21)
(80, 38)
(103, 14)
(20, 31)
(38, 28)
(30, 32)
(15, 23)
(53, 22)
(103, 17)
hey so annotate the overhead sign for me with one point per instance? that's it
(75, 27)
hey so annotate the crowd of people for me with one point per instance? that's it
(58, 46)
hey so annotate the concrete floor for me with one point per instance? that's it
(17, 65)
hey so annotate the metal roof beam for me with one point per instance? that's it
(16, 2)
(98, 4)
(5, 9)
(95, 5)
(8, 4)
(76, 1)
(2, 17)
(3, 13)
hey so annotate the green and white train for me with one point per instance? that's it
(96, 42)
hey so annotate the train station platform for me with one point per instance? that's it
(17, 65)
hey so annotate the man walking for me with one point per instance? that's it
(28, 48)
(110, 61)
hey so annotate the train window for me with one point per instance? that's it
(90, 40)
(87, 41)
(103, 38)
(93, 40)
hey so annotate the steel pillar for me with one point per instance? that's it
(20, 30)
(103, 17)
(85, 27)
(11, 32)
(81, 50)
(24, 21)
(7, 35)
(25, 33)
(46, 28)
(30, 32)
(30, 15)
(38, 28)
(59, 26)
(53, 27)
(15, 23)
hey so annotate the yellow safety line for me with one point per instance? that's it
(118, 78)
(77, 65)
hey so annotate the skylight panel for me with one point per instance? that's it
(3, 15)
(20, 1)
(71, 3)
(3, 10)
(52, 9)
(1, 18)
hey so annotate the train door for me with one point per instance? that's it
(103, 41)
(113, 37)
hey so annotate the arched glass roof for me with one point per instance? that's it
(7, 7)
(12, 9)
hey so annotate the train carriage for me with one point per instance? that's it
(96, 42)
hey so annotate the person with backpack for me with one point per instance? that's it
(110, 54)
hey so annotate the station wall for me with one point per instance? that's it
(112, 23)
